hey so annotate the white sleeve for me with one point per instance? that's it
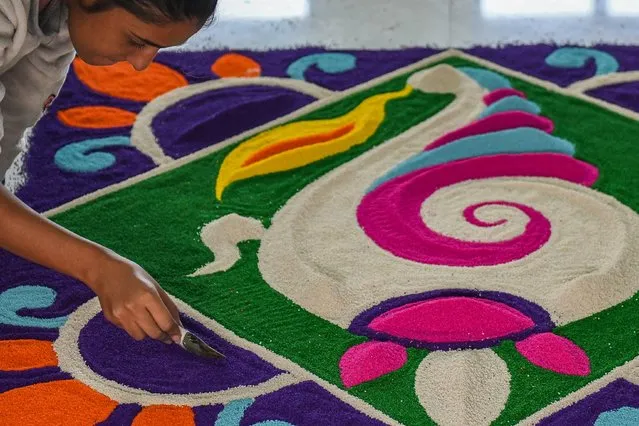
(9, 11)
(27, 88)
(28, 84)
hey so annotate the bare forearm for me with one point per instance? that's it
(129, 296)
(31, 236)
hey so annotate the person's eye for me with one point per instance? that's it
(136, 44)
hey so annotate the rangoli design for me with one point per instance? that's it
(407, 237)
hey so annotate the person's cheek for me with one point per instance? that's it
(115, 49)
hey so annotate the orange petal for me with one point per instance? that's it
(165, 415)
(20, 355)
(123, 81)
(97, 117)
(236, 65)
(65, 402)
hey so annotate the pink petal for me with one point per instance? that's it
(452, 320)
(499, 94)
(555, 353)
(370, 360)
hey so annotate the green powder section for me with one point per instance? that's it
(157, 222)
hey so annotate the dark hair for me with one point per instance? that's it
(162, 11)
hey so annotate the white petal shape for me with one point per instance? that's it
(468, 387)
(222, 236)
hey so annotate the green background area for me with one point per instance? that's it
(157, 223)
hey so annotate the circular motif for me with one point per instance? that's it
(149, 372)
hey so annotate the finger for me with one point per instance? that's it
(175, 313)
(163, 318)
(134, 330)
(110, 315)
(118, 324)
(148, 325)
(112, 319)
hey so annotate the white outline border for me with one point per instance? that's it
(605, 80)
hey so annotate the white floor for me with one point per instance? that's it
(387, 24)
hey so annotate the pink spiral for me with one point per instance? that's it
(390, 215)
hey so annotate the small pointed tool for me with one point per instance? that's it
(193, 344)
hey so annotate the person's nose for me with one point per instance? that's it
(141, 59)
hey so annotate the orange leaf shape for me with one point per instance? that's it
(65, 402)
(20, 355)
(165, 415)
(123, 81)
(272, 150)
(96, 117)
(236, 65)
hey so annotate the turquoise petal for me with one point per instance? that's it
(576, 57)
(331, 63)
(78, 158)
(510, 141)
(511, 103)
(28, 297)
(233, 412)
(489, 80)
(625, 416)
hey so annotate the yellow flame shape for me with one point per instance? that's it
(298, 144)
